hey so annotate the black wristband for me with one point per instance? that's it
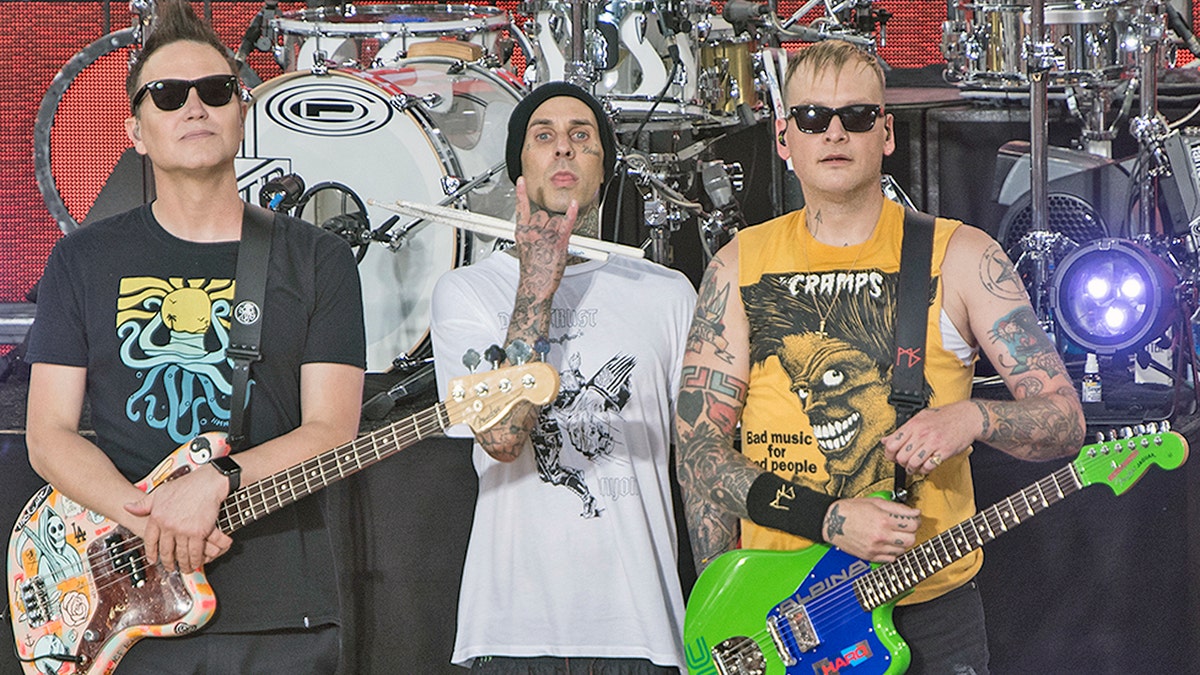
(776, 503)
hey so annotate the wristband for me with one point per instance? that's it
(776, 503)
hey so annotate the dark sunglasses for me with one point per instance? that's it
(814, 119)
(214, 90)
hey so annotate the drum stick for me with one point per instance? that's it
(587, 247)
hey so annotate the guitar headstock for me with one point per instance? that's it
(1121, 462)
(481, 399)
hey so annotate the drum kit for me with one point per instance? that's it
(409, 102)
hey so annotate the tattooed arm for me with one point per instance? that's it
(713, 477)
(541, 246)
(716, 480)
(987, 302)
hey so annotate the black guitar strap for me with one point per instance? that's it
(254, 255)
(908, 371)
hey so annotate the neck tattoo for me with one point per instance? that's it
(823, 316)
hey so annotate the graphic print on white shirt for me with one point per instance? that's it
(584, 409)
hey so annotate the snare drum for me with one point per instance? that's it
(726, 67)
(349, 127)
(370, 36)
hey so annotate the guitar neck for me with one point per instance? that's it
(290, 485)
(888, 582)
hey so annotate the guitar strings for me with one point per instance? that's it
(841, 602)
(260, 489)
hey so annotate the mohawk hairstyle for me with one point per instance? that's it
(174, 21)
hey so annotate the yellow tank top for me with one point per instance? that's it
(818, 399)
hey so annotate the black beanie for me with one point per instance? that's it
(519, 122)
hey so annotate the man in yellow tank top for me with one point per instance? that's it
(793, 338)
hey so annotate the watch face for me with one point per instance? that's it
(225, 465)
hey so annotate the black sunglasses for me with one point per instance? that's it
(214, 90)
(814, 119)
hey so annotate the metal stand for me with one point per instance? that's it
(1038, 246)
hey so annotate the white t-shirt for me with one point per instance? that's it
(573, 548)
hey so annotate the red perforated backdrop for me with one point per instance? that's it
(40, 37)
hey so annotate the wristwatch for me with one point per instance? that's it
(230, 469)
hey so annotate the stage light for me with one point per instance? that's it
(1113, 296)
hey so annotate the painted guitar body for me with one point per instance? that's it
(820, 611)
(749, 588)
(82, 583)
(81, 591)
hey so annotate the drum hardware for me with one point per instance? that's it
(1148, 129)
(282, 193)
(1039, 58)
(454, 192)
(260, 34)
(719, 181)
(828, 28)
(403, 100)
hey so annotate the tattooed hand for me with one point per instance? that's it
(871, 528)
(541, 240)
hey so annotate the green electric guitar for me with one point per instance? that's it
(747, 616)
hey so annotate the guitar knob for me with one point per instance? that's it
(495, 355)
(471, 360)
(518, 352)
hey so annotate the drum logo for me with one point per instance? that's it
(326, 109)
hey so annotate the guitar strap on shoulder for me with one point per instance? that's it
(908, 369)
(245, 347)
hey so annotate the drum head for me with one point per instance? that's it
(343, 129)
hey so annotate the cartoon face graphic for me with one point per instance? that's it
(839, 388)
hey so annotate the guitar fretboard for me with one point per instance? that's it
(270, 494)
(887, 582)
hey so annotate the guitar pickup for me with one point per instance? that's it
(127, 561)
(792, 632)
(37, 602)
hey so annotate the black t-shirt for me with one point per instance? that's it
(148, 315)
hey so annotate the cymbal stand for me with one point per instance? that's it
(1038, 245)
(581, 70)
(1149, 130)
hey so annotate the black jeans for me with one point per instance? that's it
(554, 665)
(291, 652)
(946, 634)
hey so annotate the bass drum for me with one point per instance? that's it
(414, 132)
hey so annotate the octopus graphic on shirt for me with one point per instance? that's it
(175, 331)
(840, 376)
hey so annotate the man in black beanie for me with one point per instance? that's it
(572, 555)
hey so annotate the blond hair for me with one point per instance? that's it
(831, 55)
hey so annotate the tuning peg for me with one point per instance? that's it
(1152, 427)
(518, 352)
(1126, 432)
(1164, 426)
(471, 360)
(495, 355)
(1099, 436)
(542, 347)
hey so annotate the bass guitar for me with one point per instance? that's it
(81, 591)
(747, 616)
